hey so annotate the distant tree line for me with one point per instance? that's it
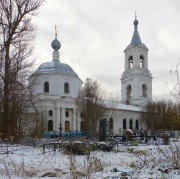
(162, 115)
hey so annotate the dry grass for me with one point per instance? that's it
(137, 152)
(92, 165)
(133, 164)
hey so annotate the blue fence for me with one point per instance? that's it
(66, 135)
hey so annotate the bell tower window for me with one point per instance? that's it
(141, 63)
(128, 92)
(46, 87)
(144, 91)
(130, 62)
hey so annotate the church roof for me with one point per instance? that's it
(136, 40)
(56, 66)
(123, 106)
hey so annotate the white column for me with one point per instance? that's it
(77, 127)
(62, 118)
(57, 118)
(74, 119)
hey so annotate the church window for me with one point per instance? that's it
(131, 124)
(67, 126)
(129, 92)
(50, 125)
(50, 112)
(67, 113)
(144, 91)
(124, 123)
(66, 87)
(141, 64)
(130, 62)
(82, 125)
(46, 87)
(137, 125)
(111, 123)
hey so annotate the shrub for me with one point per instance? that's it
(85, 148)
(77, 148)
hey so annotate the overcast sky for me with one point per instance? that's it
(94, 34)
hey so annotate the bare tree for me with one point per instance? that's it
(162, 115)
(16, 36)
(175, 78)
(91, 104)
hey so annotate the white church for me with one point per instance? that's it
(58, 86)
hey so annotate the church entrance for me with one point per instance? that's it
(50, 125)
(67, 126)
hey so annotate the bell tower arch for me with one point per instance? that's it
(136, 80)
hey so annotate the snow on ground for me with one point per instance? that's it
(136, 162)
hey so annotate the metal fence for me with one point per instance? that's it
(65, 135)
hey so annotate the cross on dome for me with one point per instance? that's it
(56, 45)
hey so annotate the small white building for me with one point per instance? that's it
(58, 86)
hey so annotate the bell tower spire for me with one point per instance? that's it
(136, 80)
(136, 40)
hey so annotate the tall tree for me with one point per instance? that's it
(17, 33)
(91, 104)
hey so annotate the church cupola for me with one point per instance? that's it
(56, 45)
(136, 80)
(136, 40)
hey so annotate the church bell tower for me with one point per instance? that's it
(136, 80)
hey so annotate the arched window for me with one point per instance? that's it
(128, 92)
(82, 126)
(46, 87)
(50, 112)
(111, 123)
(130, 62)
(66, 87)
(124, 123)
(67, 114)
(50, 125)
(137, 125)
(67, 126)
(131, 124)
(144, 91)
(141, 63)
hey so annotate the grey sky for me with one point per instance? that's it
(94, 34)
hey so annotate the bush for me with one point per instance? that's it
(85, 148)
(77, 148)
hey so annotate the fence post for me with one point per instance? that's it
(54, 148)
(44, 148)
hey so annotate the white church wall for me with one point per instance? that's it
(56, 84)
